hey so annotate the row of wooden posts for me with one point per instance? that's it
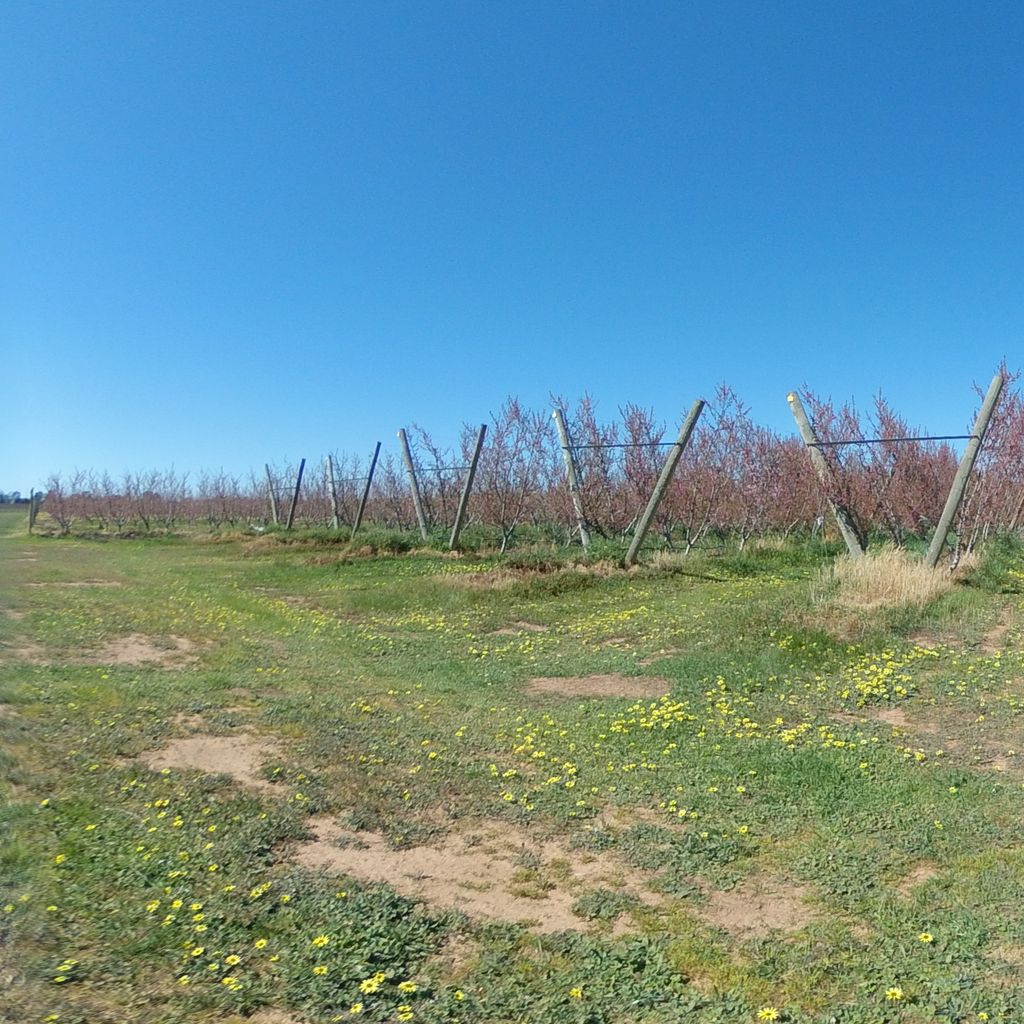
(851, 533)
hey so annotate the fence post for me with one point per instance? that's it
(963, 473)
(667, 471)
(366, 490)
(335, 519)
(295, 495)
(33, 509)
(410, 469)
(570, 473)
(844, 517)
(467, 487)
(272, 491)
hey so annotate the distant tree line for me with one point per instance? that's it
(737, 479)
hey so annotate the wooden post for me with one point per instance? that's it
(335, 518)
(844, 517)
(460, 515)
(410, 469)
(272, 491)
(667, 471)
(570, 474)
(963, 473)
(295, 495)
(33, 509)
(366, 490)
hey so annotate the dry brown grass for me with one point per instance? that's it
(889, 577)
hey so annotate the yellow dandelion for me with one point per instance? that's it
(894, 994)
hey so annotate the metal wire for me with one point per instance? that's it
(636, 444)
(890, 440)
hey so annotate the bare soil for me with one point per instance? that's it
(611, 685)
(923, 872)
(759, 906)
(520, 627)
(137, 649)
(75, 584)
(238, 756)
(480, 871)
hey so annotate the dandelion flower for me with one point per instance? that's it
(894, 994)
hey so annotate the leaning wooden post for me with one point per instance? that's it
(295, 495)
(366, 490)
(272, 491)
(410, 470)
(844, 517)
(570, 474)
(335, 518)
(667, 471)
(963, 473)
(460, 515)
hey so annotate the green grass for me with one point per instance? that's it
(837, 755)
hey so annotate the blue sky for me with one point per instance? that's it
(248, 231)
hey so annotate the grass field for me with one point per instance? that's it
(248, 780)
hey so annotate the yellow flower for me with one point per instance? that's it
(407, 986)
(355, 1009)
(321, 940)
(926, 937)
(894, 994)
(260, 943)
(232, 960)
(320, 969)
(459, 994)
(576, 992)
(767, 1013)
(371, 984)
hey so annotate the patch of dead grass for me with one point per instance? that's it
(890, 577)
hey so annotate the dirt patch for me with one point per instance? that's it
(492, 872)
(7, 711)
(456, 956)
(759, 906)
(136, 649)
(266, 1015)
(14, 615)
(1008, 954)
(518, 628)
(917, 876)
(75, 584)
(650, 659)
(612, 685)
(1000, 763)
(994, 640)
(31, 653)
(238, 756)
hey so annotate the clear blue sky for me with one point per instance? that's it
(250, 231)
